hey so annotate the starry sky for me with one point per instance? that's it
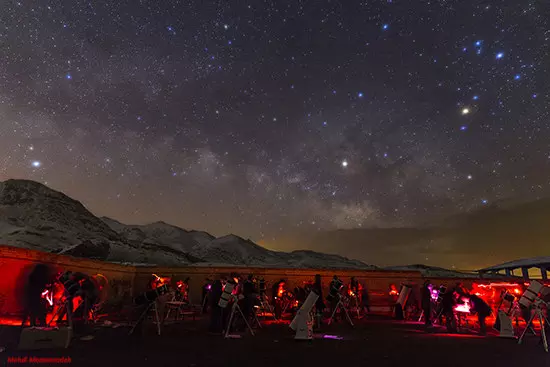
(269, 118)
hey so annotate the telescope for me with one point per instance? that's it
(227, 291)
(303, 322)
(72, 286)
(335, 287)
(152, 295)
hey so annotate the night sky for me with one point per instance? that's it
(269, 118)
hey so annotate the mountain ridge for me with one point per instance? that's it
(36, 217)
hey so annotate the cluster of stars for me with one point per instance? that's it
(277, 118)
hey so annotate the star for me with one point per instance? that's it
(36, 164)
(463, 128)
(517, 77)
(484, 201)
(478, 43)
(469, 177)
(500, 55)
(225, 26)
(360, 94)
(344, 163)
(69, 76)
(385, 26)
(475, 98)
(465, 111)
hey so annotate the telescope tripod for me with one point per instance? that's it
(538, 314)
(339, 305)
(66, 307)
(236, 308)
(154, 306)
(266, 306)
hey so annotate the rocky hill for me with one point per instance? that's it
(36, 217)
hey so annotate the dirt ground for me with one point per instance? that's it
(379, 342)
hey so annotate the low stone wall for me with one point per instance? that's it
(124, 282)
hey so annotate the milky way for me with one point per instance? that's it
(267, 118)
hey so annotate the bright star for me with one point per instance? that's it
(68, 76)
(36, 164)
(463, 128)
(465, 111)
(500, 55)
(225, 26)
(517, 77)
(484, 201)
(360, 94)
(385, 26)
(535, 95)
(475, 98)
(478, 43)
(469, 177)
(324, 123)
(344, 163)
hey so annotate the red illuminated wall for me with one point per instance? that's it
(15, 263)
(126, 281)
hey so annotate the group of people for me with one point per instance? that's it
(252, 292)
(46, 288)
(445, 305)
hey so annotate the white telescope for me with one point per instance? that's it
(303, 322)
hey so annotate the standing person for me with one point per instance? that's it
(365, 299)
(250, 295)
(482, 309)
(204, 296)
(334, 295)
(277, 292)
(426, 302)
(317, 287)
(216, 312)
(447, 304)
(35, 307)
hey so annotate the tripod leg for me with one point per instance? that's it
(347, 314)
(228, 327)
(245, 320)
(542, 331)
(257, 320)
(56, 314)
(332, 316)
(69, 306)
(527, 327)
(140, 319)
(157, 317)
